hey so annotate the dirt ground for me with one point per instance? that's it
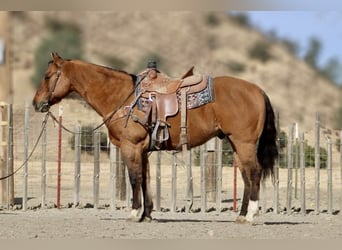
(86, 222)
(90, 223)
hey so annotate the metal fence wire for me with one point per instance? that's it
(307, 176)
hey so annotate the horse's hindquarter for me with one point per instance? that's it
(239, 107)
(238, 110)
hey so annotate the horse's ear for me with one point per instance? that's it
(56, 58)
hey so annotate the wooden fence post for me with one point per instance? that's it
(276, 170)
(120, 181)
(26, 141)
(96, 180)
(189, 186)
(211, 170)
(6, 96)
(296, 159)
(263, 196)
(158, 181)
(203, 178)
(341, 170)
(128, 188)
(289, 169)
(6, 154)
(77, 175)
(10, 157)
(3, 151)
(43, 169)
(174, 183)
(235, 166)
(330, 183)
(302, 172)
(59, 166)
(317, 163)
(112, 182)
(219, 175)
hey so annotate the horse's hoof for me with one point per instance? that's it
(132, 219)
(146, 219)
(135, 215)
(242, 220)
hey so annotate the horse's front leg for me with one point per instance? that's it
(132, 157)
(146, 189)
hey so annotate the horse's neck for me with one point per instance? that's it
(102, 88)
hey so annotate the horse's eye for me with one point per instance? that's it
(47, 77)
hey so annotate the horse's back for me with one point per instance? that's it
(238, 92)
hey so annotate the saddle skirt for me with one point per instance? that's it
(157, 86)
(159, 97)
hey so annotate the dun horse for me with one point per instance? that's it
(240, 112)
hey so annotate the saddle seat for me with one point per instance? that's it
(158, 83)
(161, 98)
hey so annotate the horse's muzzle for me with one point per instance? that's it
(41, 106)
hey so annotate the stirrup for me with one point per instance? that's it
(160, 139)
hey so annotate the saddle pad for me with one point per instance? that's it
(194, 100)
(200, 98)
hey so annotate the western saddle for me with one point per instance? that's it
(161, 97)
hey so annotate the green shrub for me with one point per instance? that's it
(241, 19)
(309, 153)
(212, 20)
(236, 67)
(64, 38)
(87, 140)
(227, 154)
(310, 156)
(260, 51)
(290, 46)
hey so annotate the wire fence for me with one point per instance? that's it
(308, 174)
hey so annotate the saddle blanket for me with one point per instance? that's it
(194, 100)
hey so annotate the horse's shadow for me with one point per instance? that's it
(276, 223)
(182, 220)
(190, 220)
(271, 223)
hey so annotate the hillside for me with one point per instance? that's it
(182, 39)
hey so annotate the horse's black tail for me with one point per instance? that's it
(267, 149)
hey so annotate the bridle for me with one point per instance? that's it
(53, 87)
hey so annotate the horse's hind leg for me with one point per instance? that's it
(251, 174)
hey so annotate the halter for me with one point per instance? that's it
(53, 87)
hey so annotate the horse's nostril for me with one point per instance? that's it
(34, 104)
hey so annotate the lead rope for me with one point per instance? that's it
(109, 117)
(33, 149)
(49, 113)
